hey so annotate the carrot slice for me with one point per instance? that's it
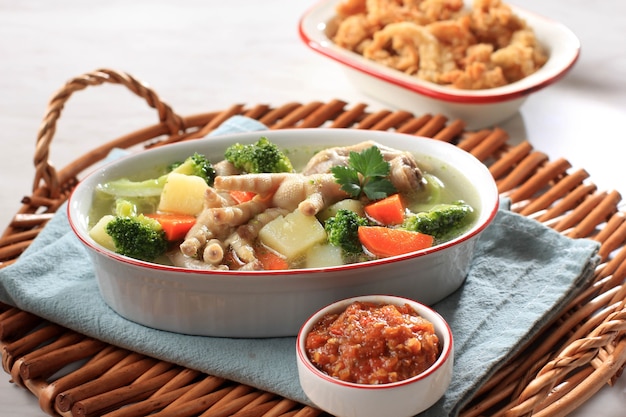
(388, 211)
(175, 226)
(384, 242)
(241, 196)
(270, 260)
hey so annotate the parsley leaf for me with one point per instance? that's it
(366, 173)
(349, 180)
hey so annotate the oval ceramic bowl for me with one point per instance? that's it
(264, 303)
(402, 399)
(478, 108)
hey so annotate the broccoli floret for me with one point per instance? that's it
(262, 156)
(198, 165)
(138, 237)
(443, 221)
(342, 230)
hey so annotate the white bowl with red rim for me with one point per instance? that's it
(478, 108)
(401, 399)
(276, 303)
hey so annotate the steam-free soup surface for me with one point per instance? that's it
(309, 217)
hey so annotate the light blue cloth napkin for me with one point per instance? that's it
(522, 274)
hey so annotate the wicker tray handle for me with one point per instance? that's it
(44, 170)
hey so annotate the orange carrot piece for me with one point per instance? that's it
(270, 260)
(388, 211)
(175, 226)
(384, 242)
(241, 196)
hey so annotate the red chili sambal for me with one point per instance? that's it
(372, 343)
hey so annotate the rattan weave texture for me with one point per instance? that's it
(572, 358)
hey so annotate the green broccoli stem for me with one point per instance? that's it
(128, 188)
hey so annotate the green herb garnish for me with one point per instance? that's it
(366, 173)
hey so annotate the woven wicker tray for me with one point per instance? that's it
(572, 358)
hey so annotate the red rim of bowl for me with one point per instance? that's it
(365, 68)
(443, 357)
(135, 262)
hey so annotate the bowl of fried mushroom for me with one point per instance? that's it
(477, 61)
(246, 235)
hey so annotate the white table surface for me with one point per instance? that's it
(202, 56)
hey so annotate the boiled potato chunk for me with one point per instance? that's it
(99, 234)
(320, 256)
(292, 235)
(347, 204)
(183, 194)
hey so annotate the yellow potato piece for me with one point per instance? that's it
(293, 234)
(183, 194)
(99, 235)
(321, 256)
(346, 204)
